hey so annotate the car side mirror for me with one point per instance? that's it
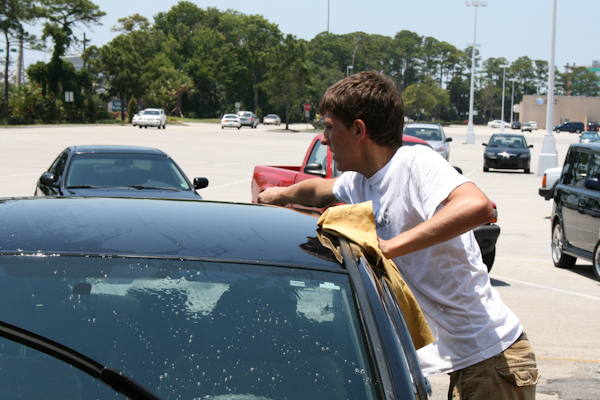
(458, 169)
(592, 183)
(484, 144)
(448, 139)
(48, 179)
(530, 146)
(200, 183)
(315, 169)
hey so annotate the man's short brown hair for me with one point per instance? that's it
(372, 98)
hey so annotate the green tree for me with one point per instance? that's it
(579, 82)
(131, 23)
(288, 76)
(176, 86)
(424, 99)
(13, 15)
(132, 108)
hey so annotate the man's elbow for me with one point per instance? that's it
(486, 211)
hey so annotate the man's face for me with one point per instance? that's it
(341, 140)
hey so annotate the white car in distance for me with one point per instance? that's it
(150, 117)
(271, 119)
(230, 121)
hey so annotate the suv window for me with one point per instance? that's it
(580, 168)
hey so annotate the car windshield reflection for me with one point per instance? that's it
(186, 329)
(97, 170)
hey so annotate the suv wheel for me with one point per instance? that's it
(596, 266)
(560, 259)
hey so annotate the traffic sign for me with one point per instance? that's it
(307, 106)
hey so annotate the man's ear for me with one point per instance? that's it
(361, 129)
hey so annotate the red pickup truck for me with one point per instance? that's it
(319, 164)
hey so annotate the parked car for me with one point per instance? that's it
(248, 118)
(151, 117)
(192, 300)
(572, 127)
(507, 151)
(497, 124)
(575, 220)
(230, 121)
(271, 119)
(589, 136)
(432, 134)
(318, 163)
(551, 176)
(593, 126)
(117, 171)
(528, 126)
(515, 125)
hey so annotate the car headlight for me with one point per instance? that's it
(441, 149)
(524, 155)
(490, 154)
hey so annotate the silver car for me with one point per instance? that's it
(230, 121)
(271, 119)
(433, 134)
(248, 118)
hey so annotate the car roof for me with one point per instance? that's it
(152, 109)
(422, 125)
(182, 229)
(111, 149)
(508, 135)
(595, 146)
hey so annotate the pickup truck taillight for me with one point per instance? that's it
(495, 219)
(544, 181)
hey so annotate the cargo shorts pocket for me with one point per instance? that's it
(520, 374)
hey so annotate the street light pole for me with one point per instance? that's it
(548, 157)
(470, 137)
(512, 100)
(503, 66)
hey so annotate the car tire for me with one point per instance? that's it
(526, 170)
(239, 128)
(139, 126)
(486, 169)
(560, 259)
(577, 131)
(596, 261)
(488, 259)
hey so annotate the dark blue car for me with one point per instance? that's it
(186, 299)
(117, 171)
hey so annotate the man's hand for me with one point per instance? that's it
(272, 195)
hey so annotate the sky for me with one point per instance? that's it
(505, 28)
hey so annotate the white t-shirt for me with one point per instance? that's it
(449, 280)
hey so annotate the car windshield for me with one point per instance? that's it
(229, 116)
(151, 113)
(508, 141)
(107, 170)
(433, 134)
(592, 137)
(184, 329)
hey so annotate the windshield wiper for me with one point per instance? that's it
(112, 377)
(82, 187)
(140, 187)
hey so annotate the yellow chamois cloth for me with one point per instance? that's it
(356, 223)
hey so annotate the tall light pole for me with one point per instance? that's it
(512, 99)
(503, 66)
(470, 138)
(327, 16)
(548, 157)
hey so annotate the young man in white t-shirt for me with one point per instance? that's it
(424, 212)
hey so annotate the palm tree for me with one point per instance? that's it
(177, 85)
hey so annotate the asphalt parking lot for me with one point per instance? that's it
(559, 308)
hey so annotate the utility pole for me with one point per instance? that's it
(20, 61)
(85, 41)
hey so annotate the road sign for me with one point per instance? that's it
(307, 106)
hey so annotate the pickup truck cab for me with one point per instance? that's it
(318, 163)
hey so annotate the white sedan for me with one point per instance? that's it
(497, 124)
(150, 117)
(230, 121)
(271, 119)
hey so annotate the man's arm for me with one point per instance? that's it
(465, 208)
(311, 192)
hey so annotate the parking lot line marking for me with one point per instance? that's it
(227, 184)
(545, 287)
(568, 359)
(13, 175)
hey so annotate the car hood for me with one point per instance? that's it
(132, 192)
(435, 143)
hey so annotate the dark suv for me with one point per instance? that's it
(573, 127)
(593, 126)
(576, 215)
